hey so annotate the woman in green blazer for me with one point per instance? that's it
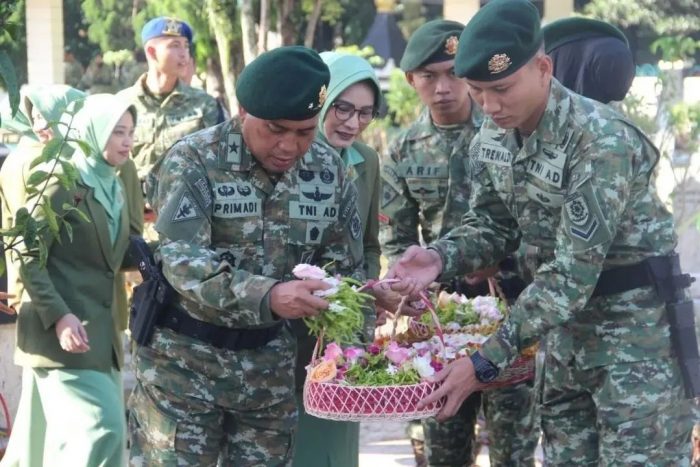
(67, 332)
(353, 99)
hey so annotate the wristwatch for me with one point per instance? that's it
(484, 370)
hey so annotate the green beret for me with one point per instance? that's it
(501, 37)
(566, 30)
(435, 41)
(286, 83)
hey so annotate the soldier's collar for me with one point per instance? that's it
(232, 153)
(552, 129)
(421, 128)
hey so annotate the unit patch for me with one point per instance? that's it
(355, 225)
(186, 210)
(314, 232)
(579, 213)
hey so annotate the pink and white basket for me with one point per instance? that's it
(335, 401)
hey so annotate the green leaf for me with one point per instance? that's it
(43, 254)
(65, 180)
(50, 215)
(51, 151)
(69, 230)
(9, 78)
(37, 177)
(69, 208)
(30, 237)
(2, 265)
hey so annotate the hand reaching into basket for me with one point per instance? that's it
(416, 270)
(458, 383)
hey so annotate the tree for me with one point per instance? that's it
(667, 17)
(111, 24)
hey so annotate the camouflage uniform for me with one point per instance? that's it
(579, 189)
(228, 234)
(163, 121)
(416, 178)
(72, 72)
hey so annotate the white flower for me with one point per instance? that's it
(333, 282)
(487, 308)
(391, 369)
(336, 307)
(422, 366)
(308, 271)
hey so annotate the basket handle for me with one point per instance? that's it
(436, 320)
(317, 347)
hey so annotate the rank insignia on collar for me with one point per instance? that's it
(499, 63)
(451, 45)
(322, 95)
(172, 27)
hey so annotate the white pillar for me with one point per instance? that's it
(460, 10)
(557, 9)
(45, 41)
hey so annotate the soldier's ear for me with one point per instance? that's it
(150, 50)
(242, 113)
(409, 78)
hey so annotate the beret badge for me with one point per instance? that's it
(499, 63)
(322, 95)
(451, 45)
(172, 28)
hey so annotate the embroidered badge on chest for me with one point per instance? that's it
(185, 210)
(327, 176)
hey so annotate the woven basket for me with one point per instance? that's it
(522, 369)
(334, 401)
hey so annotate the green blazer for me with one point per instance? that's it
(79, 278)
(367, 181)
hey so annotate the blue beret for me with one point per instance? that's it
(166, 26)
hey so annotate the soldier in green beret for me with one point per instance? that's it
(424, 196)
(572, 177)
(239, 205)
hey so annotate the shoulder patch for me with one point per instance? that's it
(186, 210)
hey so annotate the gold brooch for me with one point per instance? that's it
(451, 45)
(322, 95)
(499, 63)
(172, 27)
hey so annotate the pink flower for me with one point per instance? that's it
(340, 375)
(308, 271)
(374, 349)
(437, 366)
(352, 354)
(396, 354)
(333, 352)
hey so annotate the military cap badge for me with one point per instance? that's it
(499, 63)
(172, 27)
(451, 45)
(322, 95)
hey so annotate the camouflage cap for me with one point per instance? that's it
(567, 30)
(166, 26)
(435, 41)
(502, 37)
(287, 83)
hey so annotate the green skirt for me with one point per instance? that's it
(325, 443)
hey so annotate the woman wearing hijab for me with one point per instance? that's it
(67, 337)
(353, 99)
(36, 121)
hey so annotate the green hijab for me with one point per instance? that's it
(347, 70)
(94, 124)
(50, 99)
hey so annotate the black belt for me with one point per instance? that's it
(661, 272)
(218, 336)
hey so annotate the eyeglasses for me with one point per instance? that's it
(345, 111)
